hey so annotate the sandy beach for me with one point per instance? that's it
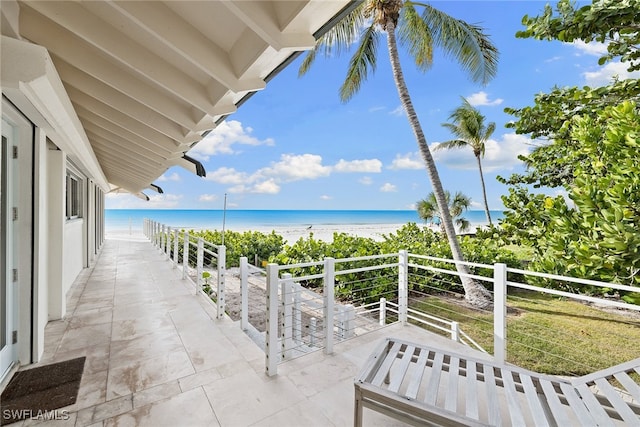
(325, 232)
(291, 234)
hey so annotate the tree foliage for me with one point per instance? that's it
(428, 209)
(596, 235)
(614, 22)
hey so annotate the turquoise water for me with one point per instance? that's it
(123, 219)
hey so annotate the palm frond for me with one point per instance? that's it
(362, 60)
(464, 42)
(342, 35)
(415, 35)
(455, 143)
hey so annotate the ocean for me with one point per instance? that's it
(132, 219)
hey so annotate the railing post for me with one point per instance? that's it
(455, 331)
(167, 243)
(185, 255)
(313, 327)
(161, 237)
(347, 318)
(156, 234)
(403, 286)
(175, 248)
(222, 268)
(271, 338)
(244, 296)
(297, 313)
(286, 330)
(500, 312)
(199, 262)
(382, 318)
(329, 291)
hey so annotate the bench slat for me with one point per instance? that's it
(451, 401)
(493, 409)
(384, 368)
(515, 411)
(472, 394)
(577, 405)
(632, 388)
(434, 380)
(533, 398)
(593, 406)
(616, 401)
(419, 370)
(557, 408)
(398, 377)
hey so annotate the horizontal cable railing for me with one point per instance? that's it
(291, 310)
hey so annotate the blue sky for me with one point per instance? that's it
(294, 145)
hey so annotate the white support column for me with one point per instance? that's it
(222, 262)
(349, 321)
(313, 330)
(297, 313)
(244, 295)
(455, 331)
(185, 255)
(286, 329)
(167, 243)
(329, 293)
(383, 312)
(500, 312)
(199, 261)
(175, 247)
(403, 286)
(271, 338)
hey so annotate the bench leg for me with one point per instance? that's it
(357, 408)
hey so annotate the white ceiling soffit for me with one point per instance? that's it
(148, 79)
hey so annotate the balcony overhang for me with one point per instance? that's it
(146, 81)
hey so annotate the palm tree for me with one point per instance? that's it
(428, 209)
(470, 131)
(419, 33)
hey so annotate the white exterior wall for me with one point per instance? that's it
(74, 252)
(55, 200)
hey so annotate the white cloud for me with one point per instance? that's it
(266, 187)
(156, 201)
(296, 167)
(375, 109)
(388, 188)
(207, 198)
(399, 111)
(226, 175)
(325, 197)
(163, 201)
(499, 155)
(222, 140)
(173, 177)
(592, 48)
(365, 180)
(482, 98)
(605, 74)
(407, 161)
(369, 166)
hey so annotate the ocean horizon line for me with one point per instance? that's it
(260, 219)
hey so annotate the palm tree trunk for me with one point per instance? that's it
(484, 192)
(475, 293)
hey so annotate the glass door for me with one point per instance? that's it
(7, 253)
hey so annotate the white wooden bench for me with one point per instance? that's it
(425, 386)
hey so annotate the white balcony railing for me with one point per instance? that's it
(310, 306)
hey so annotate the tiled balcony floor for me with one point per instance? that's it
(156, 357)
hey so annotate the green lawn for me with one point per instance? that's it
(548, 334)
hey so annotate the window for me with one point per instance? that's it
(74, 196)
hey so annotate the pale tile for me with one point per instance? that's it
(186, 409)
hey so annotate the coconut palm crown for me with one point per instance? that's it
(428, 209)
(469, 129)
(419, 33)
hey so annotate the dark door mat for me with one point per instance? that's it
(37, 392)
